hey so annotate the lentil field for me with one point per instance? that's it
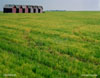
(50, 45)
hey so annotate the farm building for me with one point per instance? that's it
(22, 9)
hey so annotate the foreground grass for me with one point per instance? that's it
(50, 45)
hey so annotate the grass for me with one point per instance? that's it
(50, 45)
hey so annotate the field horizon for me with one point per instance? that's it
(50, 45)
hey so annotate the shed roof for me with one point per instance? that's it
(8, 6)
(24, 6)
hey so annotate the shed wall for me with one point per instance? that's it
(14, 10)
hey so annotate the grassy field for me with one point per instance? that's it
(50, 45)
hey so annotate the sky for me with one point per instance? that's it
(73, 5)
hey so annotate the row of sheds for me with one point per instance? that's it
(22, 9)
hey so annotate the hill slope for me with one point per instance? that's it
(50, 45)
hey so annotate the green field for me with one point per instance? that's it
(50, 45)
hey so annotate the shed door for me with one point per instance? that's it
(39, 10)
(17, 10)
(34, 10)
(29, 10)
(23, 10)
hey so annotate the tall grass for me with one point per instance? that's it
(50, 45)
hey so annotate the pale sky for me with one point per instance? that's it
(57, 4)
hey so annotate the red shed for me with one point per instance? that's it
(14, 9)
(20, 9)
(26, 9)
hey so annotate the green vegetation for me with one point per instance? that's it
(50, 45)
